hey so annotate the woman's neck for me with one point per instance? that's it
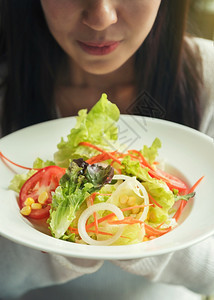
(82, 90)
(122, 76)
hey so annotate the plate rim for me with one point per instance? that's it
(119, 256)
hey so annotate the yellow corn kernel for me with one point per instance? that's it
(36, 205)
(26, 210)
(131, 201)
(135, 210)
(145, 239)
(29, 201)
(43, 197)
(123, 199)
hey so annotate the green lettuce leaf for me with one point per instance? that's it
(132, 234)
(40, 163)
(133, 168)
(150, 153)
(98, 126)
(79, 181)
(158, 189)
(19, 179)
(160, 192)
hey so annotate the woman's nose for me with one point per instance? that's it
(99, 14)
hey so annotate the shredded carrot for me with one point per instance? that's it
(100, 220)
(143, 160)
(91, 198)
(98, 158)
(127, 220)
(72, 229)
(154, 201)
(91, 146)
(160, 225)
(179, 210)
(192, 189)
(150, 231)
(101, 232)
(136, 206)
(15, 164)
(184, 202)
(108, 233)
(75, 230)
(110, 155)
(111, 215)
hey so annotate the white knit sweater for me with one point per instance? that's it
(178, 275)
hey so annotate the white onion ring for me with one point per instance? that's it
(136, 190)
(88, 212)
(121, 177)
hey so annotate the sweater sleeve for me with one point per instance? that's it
(192, 267)
(206, 48)
(27, 269)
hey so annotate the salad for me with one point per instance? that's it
(92, 194)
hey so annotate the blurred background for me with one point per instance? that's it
(201, 18)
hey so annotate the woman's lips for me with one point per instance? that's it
(103, 48)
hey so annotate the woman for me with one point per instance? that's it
(58, 56)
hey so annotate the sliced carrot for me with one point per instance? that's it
(150, 231)
(97, 158)
(160, 225)
(127, 220)
(111, 215)
(72, 229)
(192, 189)
(154, 201)
(142, 158)
(184, 202)
(100, 220)
(91, 146)
(75, 230)
(15, 164)
(101, 232)
(111, 156)
(135, 206)
(91, 198)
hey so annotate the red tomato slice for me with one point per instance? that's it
(172, 181)
(46, 179)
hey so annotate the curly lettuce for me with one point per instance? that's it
(156, 188)
(98, 126)
(78, 183)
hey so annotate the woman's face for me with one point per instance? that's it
(100, 35)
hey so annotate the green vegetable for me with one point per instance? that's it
(19, 179)
(158, 189)
(79, 181)
(98, 127)
(160, 192)
(39, 163)
(132, 234)
(133, 168)
(184, 197)
(150, 153)
(105, 193)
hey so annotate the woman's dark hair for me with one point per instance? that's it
(165, 65)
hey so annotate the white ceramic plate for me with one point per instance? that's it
(188, 153)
